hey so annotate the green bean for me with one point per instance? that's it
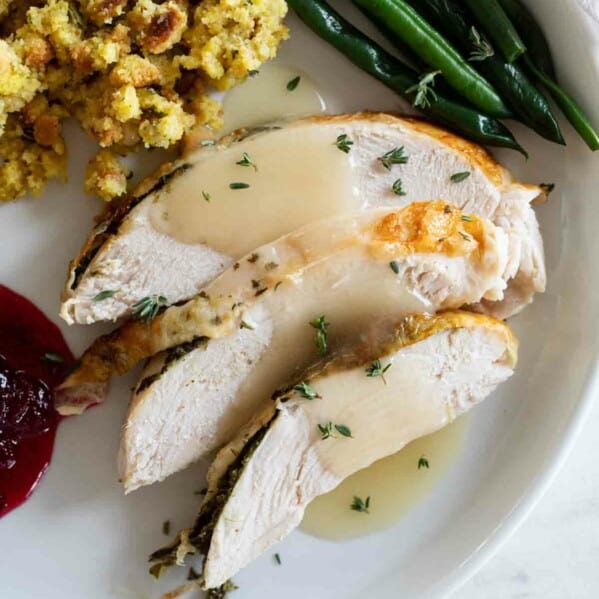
(568, 106)
(532, 34)
(437, 52)
(375, 60)
(498, 27)
(528, 103)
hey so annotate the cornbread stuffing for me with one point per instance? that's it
(134, 73)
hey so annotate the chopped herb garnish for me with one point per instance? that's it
(394, 156)
(466, 218)
(52, 357)
(245, 325)
(343, 430)
(482, 47)
(147, 308)
(397, 188)
(377, 369)
(321, 326)
(459, 177)
(166, 527)
(293, 83)
(326, 430)
(253, 258)
(206, 196)
(278, 284)
(465, 236)
(306, 391)
(394, 264)
(422, 463)
(278, 559)
(105, 295)
(192, 574)
(246, 161)
(344, 143)
(425, 94)
(239, 185)
(360, 505)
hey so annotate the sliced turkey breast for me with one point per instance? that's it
(430, 251)
(334, 421)
(194, 398)
(200, 214)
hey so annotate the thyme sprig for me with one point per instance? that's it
(482, 48)
(394, 156)
(321, 326)
(360, 505)
(425, 94)
(377, 369)
(147, 308)
(344, 143)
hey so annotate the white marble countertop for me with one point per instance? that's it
(555, 553)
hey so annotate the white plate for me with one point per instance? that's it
(79, 538)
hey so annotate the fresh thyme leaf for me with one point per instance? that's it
(326, 430)
(360, 505)
(459, 177)
(321, 326)
(306, 391)
(245, 325)
(278, 559)
(397, 188)
(104, 295)
(206, 196)
(278, 284)
(425, 94)
(246, 161)
(377, 369)
(52, 358)
(166, 527)
(394, 156)
(422, 463)
(238, 185)
(465, 236)
(482, 47)
(466, 218)
(394, 264)
(192, 574)
(293, 83)
(147, 308)
(344, 143)
(343, 430)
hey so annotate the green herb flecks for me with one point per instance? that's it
(293, 83)
(425, 94)
(206, 196)
(394, 156)
(246, 161)
(377, 369)
(466, 218)
(465, 236)
(422, 463)
(306, 391)
(239, 185)
(394, 265)
(459, 177)
(278, 559)
(147, 308)
(321, 326)
(360, 505)
(105, 295)
(166, 527)
(398, 188)
(326, 430)
(482, 48)
(344, 143)
(52, 358)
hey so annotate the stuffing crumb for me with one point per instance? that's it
(135, 74)
(105, 176)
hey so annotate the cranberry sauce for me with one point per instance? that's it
(33, 360)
